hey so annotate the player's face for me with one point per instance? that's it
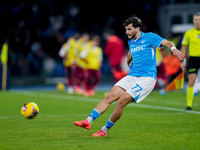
(95, 43)
(131, 31)
(85, 37)
(196, 21)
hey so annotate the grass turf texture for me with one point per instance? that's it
(158, 122)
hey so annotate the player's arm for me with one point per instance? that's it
(183, 63)
(129, 59)
(183, 49)
(83, 55)
(174, 50)
(64, 49)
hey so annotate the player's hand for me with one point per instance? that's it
(178, 54)
(183, 65)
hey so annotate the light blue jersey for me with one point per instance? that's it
(143, 51)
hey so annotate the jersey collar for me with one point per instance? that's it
(132, 41)
(141, 36)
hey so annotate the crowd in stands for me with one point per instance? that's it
(35, 30)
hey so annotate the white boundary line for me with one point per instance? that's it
(87, 99)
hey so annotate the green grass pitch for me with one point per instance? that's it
(158, 122)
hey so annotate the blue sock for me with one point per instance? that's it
(93, 115)
(108, 125)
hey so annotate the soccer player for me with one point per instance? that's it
(192, 39)
(92, 55)
(80, 68)
(68, 55)
(141, 78)
(114, 44)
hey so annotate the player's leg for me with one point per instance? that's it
(139, 88)
(69, 79)
(121, 103)
(87, 82)
(112, 96)
(96, 75)
(124, 100)
(82, 77)
(190, 93)
(78, 79)
(193, 65)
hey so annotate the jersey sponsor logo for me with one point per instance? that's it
(138, 48)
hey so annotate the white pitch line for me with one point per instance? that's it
(163, 108)
(86, 99)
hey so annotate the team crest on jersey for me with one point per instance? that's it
(143, 41)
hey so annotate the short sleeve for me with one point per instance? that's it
(156, 40)
(185, 40)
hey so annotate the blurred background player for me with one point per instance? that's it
(192, 39)
(67, 52)
(80, 67)
(114, 49)
(92, 55)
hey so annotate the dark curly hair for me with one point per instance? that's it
(134, 20)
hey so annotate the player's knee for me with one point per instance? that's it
(123, 101)
(120, 104)
(191, 81)
(111, 97)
